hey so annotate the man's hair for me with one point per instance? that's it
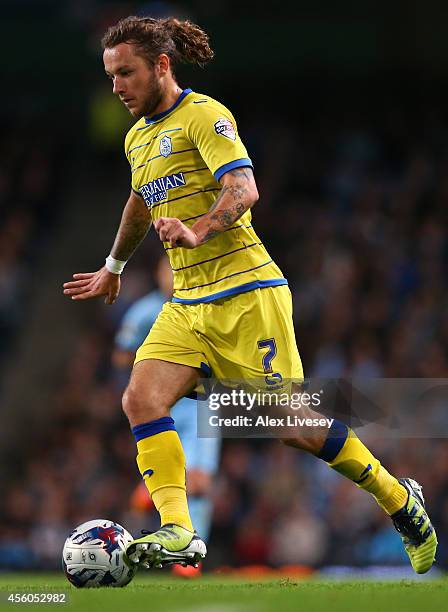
(182, 41)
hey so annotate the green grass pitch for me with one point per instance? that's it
(216, 594)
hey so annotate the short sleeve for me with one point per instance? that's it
(212, 128)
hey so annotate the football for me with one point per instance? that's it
(94, 555)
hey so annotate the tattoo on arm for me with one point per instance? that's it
(218, 199)
(225, 217)
(229, 206)
(245, 172)
(210, 234)
(134, 225)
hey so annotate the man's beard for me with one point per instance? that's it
(152, 101)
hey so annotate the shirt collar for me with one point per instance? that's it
(149, 120)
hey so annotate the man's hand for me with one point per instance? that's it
(176, 233)
(93, 284)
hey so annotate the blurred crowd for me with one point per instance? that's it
(354, 212)
(29, 181)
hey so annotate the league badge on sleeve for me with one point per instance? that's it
(166, 147)
(224, 127)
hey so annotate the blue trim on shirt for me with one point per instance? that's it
(196, 170)
(199, 263)
(145, 144)
(137, 192)
(146, 162)
(157, 156)
(219, 280)
(227, 230)
(260, 284)
(187, 195)
(244, 162)
(149, 120)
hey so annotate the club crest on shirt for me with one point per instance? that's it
(224, 127)
(166, 147)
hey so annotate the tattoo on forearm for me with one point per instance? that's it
(227, 216)
(210, 234)
(222, 219)
(218, 199)
(246, 172)
(229, 206)
(134, 226)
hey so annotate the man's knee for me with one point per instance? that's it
(141, 407)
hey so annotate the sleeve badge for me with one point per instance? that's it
(224, 127)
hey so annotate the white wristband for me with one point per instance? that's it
(115, 265)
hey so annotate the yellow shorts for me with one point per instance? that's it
(248, 336)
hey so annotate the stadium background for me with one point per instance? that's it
(343, 110)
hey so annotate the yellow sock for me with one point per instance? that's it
(171, 502)
(356, 462)
(161, 462)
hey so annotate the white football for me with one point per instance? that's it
(94, 555)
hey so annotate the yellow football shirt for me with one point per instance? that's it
(177, 158)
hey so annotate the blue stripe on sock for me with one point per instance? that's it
(145, 430)
(337, 435)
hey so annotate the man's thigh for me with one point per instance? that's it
(155, 386)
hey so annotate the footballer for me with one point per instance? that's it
(231, 311)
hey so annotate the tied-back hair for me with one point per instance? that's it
(182, 41)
